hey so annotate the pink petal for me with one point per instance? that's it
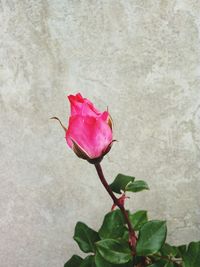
(82, 106)
(105, 116)
(92, 134)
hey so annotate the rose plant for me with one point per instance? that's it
(124, 239)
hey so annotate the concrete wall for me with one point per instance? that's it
(139, 57)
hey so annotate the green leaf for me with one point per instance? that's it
(169, 264)
(159, 263)
(114, 251)
(113, 225)
(181, 250)
(137, 260)
(101, 262)
(156, 264)
(138, 219)
(128, 264)
(137, 186)
(120, 183)
(75, 261)
(85, 237)
(88, 262)
(168, 250)
(151, 238)
(192, 257)
(126, 236)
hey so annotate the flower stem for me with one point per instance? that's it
(132, 235)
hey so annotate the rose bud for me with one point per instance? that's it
(89, 132)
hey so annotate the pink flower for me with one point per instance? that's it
(89, 132)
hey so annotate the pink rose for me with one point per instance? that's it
(89, 133)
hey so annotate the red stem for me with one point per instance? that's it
(132, 235)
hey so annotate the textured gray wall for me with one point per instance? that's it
(139, 57)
